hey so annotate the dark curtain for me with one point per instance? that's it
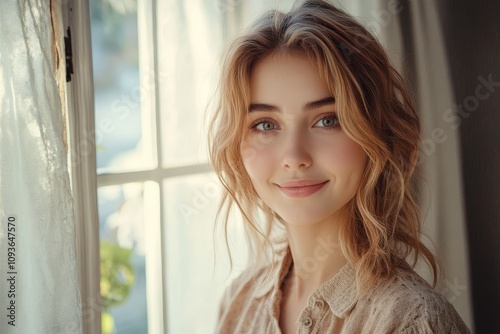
(470, 35)
(472, 41)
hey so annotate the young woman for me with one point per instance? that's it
(315, 140)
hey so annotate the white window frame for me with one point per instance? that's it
(82, 161)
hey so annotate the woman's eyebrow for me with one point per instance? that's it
(262, 107)
(320, 103)
(309, 106)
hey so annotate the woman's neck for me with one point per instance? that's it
(316, 254)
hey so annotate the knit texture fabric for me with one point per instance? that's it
(404, 304)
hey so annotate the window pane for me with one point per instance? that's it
(189, 44)
(193, 286)
(117, 87)
(123, 260)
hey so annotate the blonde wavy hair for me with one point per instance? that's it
(375, 108)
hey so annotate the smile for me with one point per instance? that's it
(300, 188)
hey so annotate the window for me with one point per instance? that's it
(157, 197)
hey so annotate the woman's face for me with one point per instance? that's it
(301, 163)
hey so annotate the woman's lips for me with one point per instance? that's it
(300, 188)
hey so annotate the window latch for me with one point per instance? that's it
(68, 55)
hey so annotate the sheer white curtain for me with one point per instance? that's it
(37, 240)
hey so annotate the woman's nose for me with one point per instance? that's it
(296, 153)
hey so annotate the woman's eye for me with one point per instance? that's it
(264, 126)
(328, 122)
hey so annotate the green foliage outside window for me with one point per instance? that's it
(117, 278)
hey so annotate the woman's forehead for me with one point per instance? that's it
(286, 78)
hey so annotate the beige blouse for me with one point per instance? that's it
(405, 304)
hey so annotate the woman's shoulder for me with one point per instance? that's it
(245, 278)
(255, 282)
(254, 278)
(408, 304)
(244, 304)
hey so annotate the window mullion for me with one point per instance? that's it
(157, 175)
(149, 77)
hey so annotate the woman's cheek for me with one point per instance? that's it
(248, 153)
(257, 156)
(346, 154)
